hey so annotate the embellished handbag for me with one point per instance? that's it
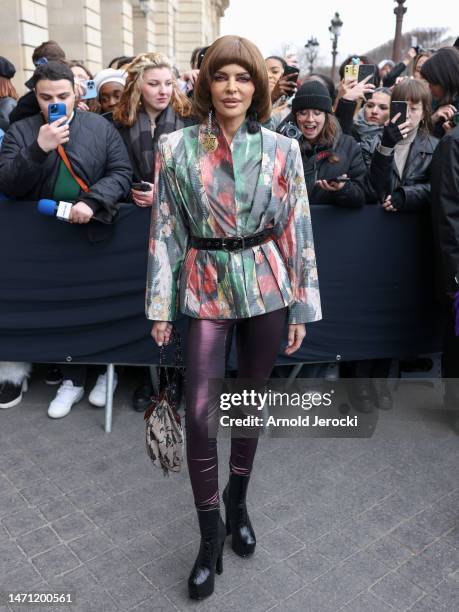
(164, 432)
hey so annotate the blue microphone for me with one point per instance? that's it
(60, 210)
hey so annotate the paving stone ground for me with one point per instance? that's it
(359, 525)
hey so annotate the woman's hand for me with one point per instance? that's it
(393, 133)
(331, 185)
(388, 206)
(444, 113)
(354, 91)
(161, 332)
(296, 334)
(143, 198)
(284, 87)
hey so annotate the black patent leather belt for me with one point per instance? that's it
(231, 243)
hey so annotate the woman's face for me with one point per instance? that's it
(157, 87)
(275, 71)
(437, 91)
(415, 114)
(419, 64)
(80, 74)
(232, 91)
(377, 109)
(109, 96)
(311, 123)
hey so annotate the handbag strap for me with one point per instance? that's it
(65, 159)
(177, 362)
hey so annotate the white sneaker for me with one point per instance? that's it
(66, 396)
(98, 395)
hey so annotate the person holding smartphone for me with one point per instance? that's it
(282, 80)
(32, 167)
(151, 105)
(333, 166)
(399, 172)
(399, 180)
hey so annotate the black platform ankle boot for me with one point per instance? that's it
(237, 520)
(209, 559)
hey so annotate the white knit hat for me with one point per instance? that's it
(109, 75)
(385, 62)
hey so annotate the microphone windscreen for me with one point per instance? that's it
(47, 207)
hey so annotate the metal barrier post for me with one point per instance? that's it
(109, 397)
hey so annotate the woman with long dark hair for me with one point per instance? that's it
(231, 247)
(441, 71)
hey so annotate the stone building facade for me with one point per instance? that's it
(95, 31)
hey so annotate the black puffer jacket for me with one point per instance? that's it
(95, 150)
(317, 165)
(445, 207)
(410, 192)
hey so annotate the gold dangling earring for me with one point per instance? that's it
(210, 141)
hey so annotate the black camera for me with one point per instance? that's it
(290, 130)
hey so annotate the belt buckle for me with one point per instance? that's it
(229, 238)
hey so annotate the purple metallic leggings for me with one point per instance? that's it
(258, 340)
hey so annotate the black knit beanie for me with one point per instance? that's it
(7, 69)
(312, 94)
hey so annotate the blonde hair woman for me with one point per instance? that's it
(151, 105)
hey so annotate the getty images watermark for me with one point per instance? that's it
(283, 408)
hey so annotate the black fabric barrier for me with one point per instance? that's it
(64, 297)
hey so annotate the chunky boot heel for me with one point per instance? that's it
(219, 564)
(238, 524)
(210, 557)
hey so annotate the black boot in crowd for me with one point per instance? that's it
(209, 559)
(238, 524)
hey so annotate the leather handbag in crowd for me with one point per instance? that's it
(164, 432)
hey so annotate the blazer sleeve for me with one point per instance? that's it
(293, 231)
(168, 241)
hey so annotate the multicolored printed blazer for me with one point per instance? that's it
(238, 190)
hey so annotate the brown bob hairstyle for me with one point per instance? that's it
(417, 92)
(233, 50)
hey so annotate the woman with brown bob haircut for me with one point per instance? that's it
(231, 247)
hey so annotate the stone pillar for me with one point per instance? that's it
(190, 30)
(24, 26)
(143, 28)
(77, 27)
(166, 22)
(117, 34)
(198, 25)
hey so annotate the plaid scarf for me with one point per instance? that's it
(142, 147)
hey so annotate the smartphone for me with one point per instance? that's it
(56, 111)
(398, 107)
(367, 70)
(90, 89)
(292, 73)
(141, 186)
(351, 72)
(337, 179)
(414, 42)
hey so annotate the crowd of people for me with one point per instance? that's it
(344, 132)
(192, 146)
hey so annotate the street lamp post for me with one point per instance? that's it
(335, 31)
(399, 11)
(311, 52)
